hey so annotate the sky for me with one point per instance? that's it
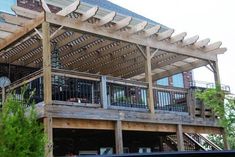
(214, 19)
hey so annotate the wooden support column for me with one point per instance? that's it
(49, 132)
(218, 85)
(148, 78)
(180, 138)
(225, 140)
(216, 73)
(3, 95)
(103, 90)
(118, 137)
(47, 87)
(46, 63)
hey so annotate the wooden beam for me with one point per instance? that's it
(213, 46)
(47, 83)
(136, 39)
(4, 34)
(14, 19)
(142, 51)
(78, 59)
(202, 43)
(148, 78)
(107, 57)
(29, 26)
(45, 6)
(25, 12)
(151, 31)
(67, 123)
(140, 64)
(178, 38)
(106, 19)
(69, 9)
(56, 32)
(180, 138)
(103, 58)
(139, 27)
(202, 129)
(154, 53)
(186, 67)
(190, 41)
(49, 133)
(89, 13)
(118, 137)
(138, 126)
(122, 23)
(117, 65)
(158, 63)
(8, 27)
(165, 35)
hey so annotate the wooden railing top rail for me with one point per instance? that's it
(97, 77)
(127, 82)
(25, 80)
(170, 89)
(76, 74)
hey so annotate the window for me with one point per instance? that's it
(178, 80)
(163, 82)
(5, 5)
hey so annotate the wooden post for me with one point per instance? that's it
(118, 137)
(216, 73)
(148, 78)
(46, 63)
(49, 132)
(191, 102)
(3, 95)
(180, 138)
(103, 91)
(47, 86)
(218, 85)
(225, 140)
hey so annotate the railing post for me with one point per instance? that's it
(118, 137)
(191, 102)
(180, 138)
(103, 92)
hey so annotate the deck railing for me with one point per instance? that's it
(126, 93)
(75, 88)
(27, 87)
(91, 90)
(170, 99)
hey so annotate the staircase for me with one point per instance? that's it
(192, 142)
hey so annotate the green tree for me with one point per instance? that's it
(223, 106)
(21, 134)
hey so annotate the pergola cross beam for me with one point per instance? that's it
(136, 39)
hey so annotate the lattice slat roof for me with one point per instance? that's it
(106, 43)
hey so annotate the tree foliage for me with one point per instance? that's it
(223, 106)
(21, 135)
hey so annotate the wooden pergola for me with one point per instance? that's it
(94, 40)
(108, 44)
